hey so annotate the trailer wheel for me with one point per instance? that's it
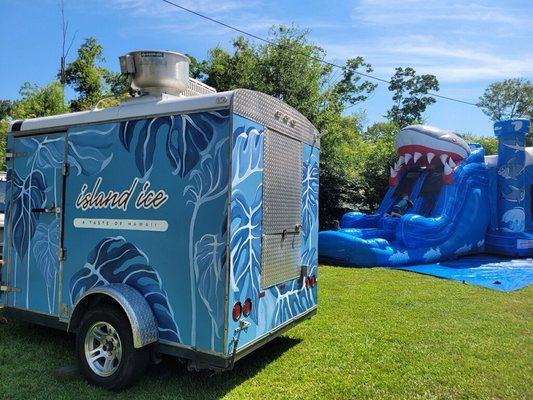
(104, 346)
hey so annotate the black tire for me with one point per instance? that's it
(132, 363)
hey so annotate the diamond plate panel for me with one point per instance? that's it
(275, 114)
(280, 259)
(282, 191)
(282, 183)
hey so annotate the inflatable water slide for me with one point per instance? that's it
(462, 202)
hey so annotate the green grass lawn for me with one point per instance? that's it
(378, 333)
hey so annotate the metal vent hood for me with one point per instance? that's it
(156, 72)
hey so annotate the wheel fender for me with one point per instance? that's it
(142, 320)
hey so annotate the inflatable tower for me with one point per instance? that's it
(509, 235)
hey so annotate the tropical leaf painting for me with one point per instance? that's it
(27, 193)
(209, 181)
(46, 152)
(114, 260)
(209, 257)
(309, 195)
(245, 244)
(289, 303)
(188, 139)
(45, 249)
(280, 305)
(89, 149)
(45, 252)
(247, 153)
(140, 136)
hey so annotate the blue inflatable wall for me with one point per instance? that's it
(511, 233)
(455, 206)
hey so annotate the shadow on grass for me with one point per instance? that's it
(170, 378)
(214, 385)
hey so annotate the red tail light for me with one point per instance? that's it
(307, 282)
(237, 311)
(247, 307)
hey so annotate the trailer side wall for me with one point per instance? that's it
(272, 305)
(146, 205)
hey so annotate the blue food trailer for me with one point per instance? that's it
(182, 222)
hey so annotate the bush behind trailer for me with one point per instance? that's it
(182, 224)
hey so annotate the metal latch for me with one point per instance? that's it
(286, 232)
(6, 288)
(10, 155)
(65, 169)
(52, 209)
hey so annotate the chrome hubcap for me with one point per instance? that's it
(103, 349)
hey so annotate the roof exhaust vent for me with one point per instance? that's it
(156, 72)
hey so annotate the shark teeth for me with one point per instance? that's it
(452, 163)
(447, 169)
(416, 156)
(396, 165)
(443, 158)
(430, 157)
(401, 159)
(393, 172)
(407, 157)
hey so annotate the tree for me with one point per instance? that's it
(35, 102)
(380, 139)
(489, 143)
(91, 81)
(289, 67)
(6, 107)
(410, 95)
(510, 98)
(39, 101)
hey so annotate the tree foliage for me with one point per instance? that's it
(510, 98)
(89, 79)
(39, 101)
(289, 68)
(490, 144)
(410, 95)
(35, 102)
(6, 107)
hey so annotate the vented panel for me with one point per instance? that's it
(282, 191)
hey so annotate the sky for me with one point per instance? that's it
(466, 44)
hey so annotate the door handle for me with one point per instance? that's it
(52, 209)
(297, 229)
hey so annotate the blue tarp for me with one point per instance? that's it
(498, 273)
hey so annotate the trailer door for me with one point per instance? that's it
(282, 191)
(36, 168)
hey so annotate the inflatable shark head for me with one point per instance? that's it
(425, 145)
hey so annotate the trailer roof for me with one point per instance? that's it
(137, 107)
(267, 110)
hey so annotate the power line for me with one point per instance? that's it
(310, 56)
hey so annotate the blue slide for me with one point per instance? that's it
(447, 184)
